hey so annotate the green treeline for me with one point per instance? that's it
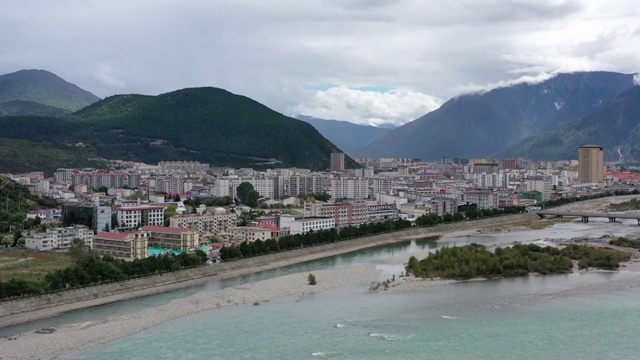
(569, 200)
(248, 249)
(473, 261)
(624, 242)
(93, 269)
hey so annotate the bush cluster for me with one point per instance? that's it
(472, 261)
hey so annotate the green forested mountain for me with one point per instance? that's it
(615, 127)
(45, 88)
(201, 124)
(25, 107)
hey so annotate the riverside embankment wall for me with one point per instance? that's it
(129, 289)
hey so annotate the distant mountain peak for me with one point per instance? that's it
(45, 88)
(481, 124)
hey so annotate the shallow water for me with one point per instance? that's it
(378, 255)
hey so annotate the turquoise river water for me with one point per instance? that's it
(576, 316)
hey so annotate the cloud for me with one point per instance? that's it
(367, 107)
(104, 74)
(526, 79)
(636, 79)
(269, 50)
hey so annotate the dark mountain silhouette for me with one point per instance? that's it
(481, 124)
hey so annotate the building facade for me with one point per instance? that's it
(336, 162)
(135, 216)
(210, 224)
(122, 245)
(590, 164)
(59, 238)
(172, 238)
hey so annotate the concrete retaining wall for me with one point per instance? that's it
(156, 282)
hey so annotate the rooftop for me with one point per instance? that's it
(165, 229)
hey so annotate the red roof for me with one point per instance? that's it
(115, 235)
(164, 229)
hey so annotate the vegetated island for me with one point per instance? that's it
(476, 261)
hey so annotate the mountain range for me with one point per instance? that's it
(615, 127)
(347, 136)
(40, 92)
(546, 120)
(482, 124)
(198, 124)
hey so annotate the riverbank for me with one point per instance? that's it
(77, 337)
(24, 310)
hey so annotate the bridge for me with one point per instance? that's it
(586, 215)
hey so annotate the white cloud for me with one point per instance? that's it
(636, 79)
(526, 79)
(268, 50)
(367, 107)
(105, 75)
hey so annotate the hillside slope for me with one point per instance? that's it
(44, 87)
(347, 136)
(477, 125)
(201, 124)
(614, 127)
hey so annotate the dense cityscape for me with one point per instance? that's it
(136, 210)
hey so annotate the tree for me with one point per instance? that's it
(7, 240)
(247, 194)
(311, 279)
(17, 234)
(176, 198)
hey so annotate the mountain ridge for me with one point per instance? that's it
(481, 124)
(346, 135)
(616, 126)
(195, 124)
(45, 88)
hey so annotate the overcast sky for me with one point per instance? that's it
(365, 61)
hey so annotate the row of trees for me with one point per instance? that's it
(471, 261)
(248, 249)
(91, 269)
(431, 219)
(247, 194)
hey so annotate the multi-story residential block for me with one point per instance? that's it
(304, 225)
(344, 213)
(300, 185)
(349, 187)
(172, 238)
(443, 205)
(122, 245)
(380, 212)
(336, 162)
(210, 224)
(249, 233)
(485, 199)
(170, 167)
(60, 237)
(98, 178)
(541, 184)
(135, 216)
(590, 164)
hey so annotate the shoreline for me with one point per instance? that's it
(30, 309)
(78, 337)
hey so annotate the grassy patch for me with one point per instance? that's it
(31, 266)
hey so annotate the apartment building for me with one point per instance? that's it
(304, 225)
(344, 213)
(210, 224)
(485, 199)
(59, 237)
(349, 188)
(134, 216)
(172, 238)
(122, 245)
